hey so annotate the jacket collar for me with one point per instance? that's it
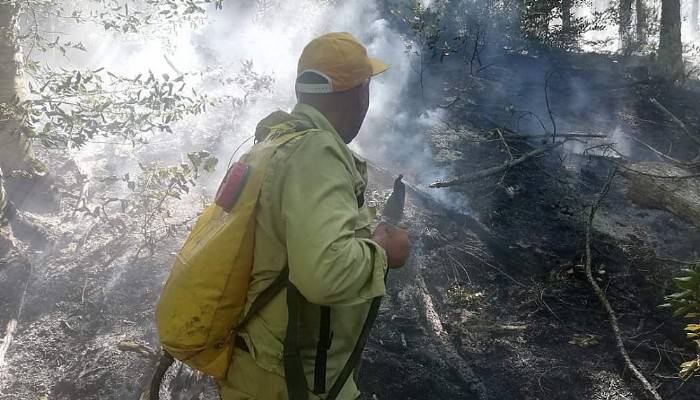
(311, 114)
(314, 116)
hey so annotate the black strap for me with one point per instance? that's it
(265, 296)
(356, 354)
(164, 362)
(324, 344)
(297, 387)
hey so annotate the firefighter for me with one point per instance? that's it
(312, 219)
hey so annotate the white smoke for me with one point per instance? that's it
(272, 35)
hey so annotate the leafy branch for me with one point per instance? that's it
(685, 303)
(68, 108)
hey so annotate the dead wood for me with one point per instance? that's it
(9, 333)
(619, 341)
(138, 348)
(669, 177)
(495, 170)
(675, 119)
(562, 135)
(440, 336)
(664, 155)
(505, 144)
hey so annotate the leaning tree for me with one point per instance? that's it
(15, 148)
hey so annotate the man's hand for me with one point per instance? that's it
(395, 242)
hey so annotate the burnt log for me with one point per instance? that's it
(665, 186)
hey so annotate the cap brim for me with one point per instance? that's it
(378, 66)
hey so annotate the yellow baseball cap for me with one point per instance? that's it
(340, 60)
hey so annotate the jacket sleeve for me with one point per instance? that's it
(327, 262)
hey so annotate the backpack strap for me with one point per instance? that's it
(293, 368)
(265, 296)
(297, 387)
(324, 344)
(356, 354)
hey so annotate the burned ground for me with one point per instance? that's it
(493, 303)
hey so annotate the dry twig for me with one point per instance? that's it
(669, 177)
(675, 119)
(495, 170)
(603, 299)
(505, 144)
(563, 135)
(9, 333)
(662, 154)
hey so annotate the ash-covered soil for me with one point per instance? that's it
(493, 303)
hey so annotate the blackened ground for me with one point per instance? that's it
(510, 290)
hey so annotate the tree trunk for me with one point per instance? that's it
(642, 23)
(669, 58)
(566, 15)
(625, 11)
(15, 149)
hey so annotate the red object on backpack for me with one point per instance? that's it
(232, 186)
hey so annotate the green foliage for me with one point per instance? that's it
(116, 15)
(202, 160)
(685, 302)
(154, 191)
(551, 22)
(426, 26)
(69, 108)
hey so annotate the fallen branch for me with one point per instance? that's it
(660, 153)
(675, 119)
(505, 144)
(563, 135)
(603, 299)
(9, 333)
(669, 177)
(138, 348)
(495, 170)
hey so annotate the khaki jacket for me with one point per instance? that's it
(312, 217)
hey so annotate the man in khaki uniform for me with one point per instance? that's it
(312, 219)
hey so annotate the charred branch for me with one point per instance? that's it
(619, 342)
(675, 119)
(564, 135)
(495, 170)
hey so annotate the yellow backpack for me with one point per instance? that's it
(201, 304)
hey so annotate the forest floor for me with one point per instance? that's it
(493, 303)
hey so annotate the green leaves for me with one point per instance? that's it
(685, 302)
(154, 192)
(427, 28)
(75, 106)
(204, 160)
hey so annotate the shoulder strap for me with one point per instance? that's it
(356, 354)
(324, 344)
(265, 296)
(297, 387)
